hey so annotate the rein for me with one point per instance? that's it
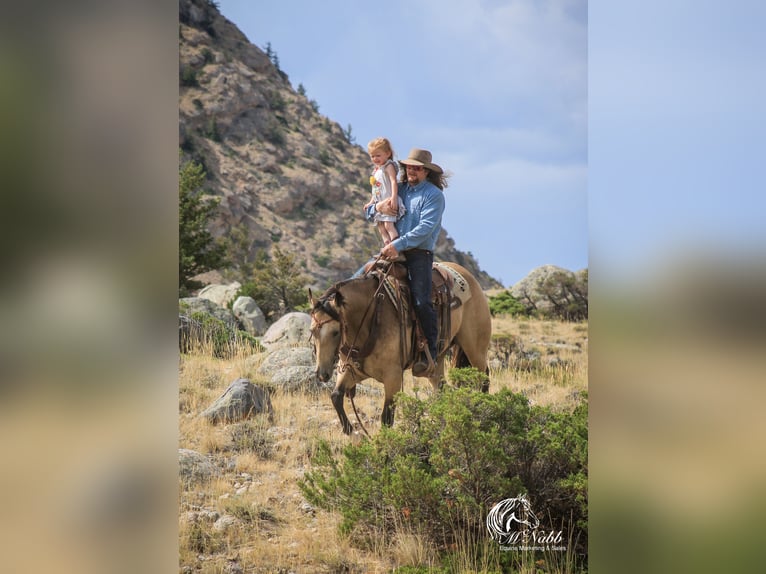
(353, 405)
(353, 353)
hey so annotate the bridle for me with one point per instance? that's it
(351, 355)
(322, 305)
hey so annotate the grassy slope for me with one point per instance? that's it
(257, 483)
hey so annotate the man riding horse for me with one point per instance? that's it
(421, 188)
(363, 324)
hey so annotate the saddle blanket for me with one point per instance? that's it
(460, 287)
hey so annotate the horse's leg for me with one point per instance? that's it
(337, 401)
(392, 386)
(437, 377)
(387, 418)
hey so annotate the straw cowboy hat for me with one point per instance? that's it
(421, 157)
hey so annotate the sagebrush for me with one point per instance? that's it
(449, 459)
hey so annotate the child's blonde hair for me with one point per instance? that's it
(380, 144)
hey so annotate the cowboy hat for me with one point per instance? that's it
(421, 157)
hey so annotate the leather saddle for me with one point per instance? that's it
(442, 285)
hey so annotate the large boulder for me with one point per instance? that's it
(194, 467)
(249, 315)
(291, 369)
(190, 305)
(220, 294)
(532, 293)
(297, 378)
(240, 401)
(291, 330)
(286, 357)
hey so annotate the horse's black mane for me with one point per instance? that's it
(323, 303)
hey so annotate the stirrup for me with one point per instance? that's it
(421, 370)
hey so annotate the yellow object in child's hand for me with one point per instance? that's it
(372, 180)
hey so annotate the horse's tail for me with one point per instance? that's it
(459, 358)
(460, 361)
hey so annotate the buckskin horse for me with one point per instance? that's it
(366, 325)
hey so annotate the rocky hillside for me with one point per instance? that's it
(284, 173)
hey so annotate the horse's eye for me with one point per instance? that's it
(335, 333)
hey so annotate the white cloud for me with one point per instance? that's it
(521, 49)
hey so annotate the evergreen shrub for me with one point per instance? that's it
(448, 460)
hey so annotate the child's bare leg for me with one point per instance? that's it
(384, 232)
(391, 229)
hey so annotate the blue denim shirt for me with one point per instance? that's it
(420, 226)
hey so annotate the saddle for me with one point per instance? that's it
(397, 286)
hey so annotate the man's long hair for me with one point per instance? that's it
(438, 179)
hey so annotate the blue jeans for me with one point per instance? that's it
(359, 272)
(419, 265)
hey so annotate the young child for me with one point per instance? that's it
(383, 182)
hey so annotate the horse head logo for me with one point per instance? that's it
(510, 517)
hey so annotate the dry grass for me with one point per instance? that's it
(560, 374)
(260, 461)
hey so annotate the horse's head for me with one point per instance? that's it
(325, 332)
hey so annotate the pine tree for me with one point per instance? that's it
(277, 285)
(198, 250)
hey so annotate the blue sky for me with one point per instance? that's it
(497, 90)
(677, 133)
(613, 135)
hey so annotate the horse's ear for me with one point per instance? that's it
(311, 298)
